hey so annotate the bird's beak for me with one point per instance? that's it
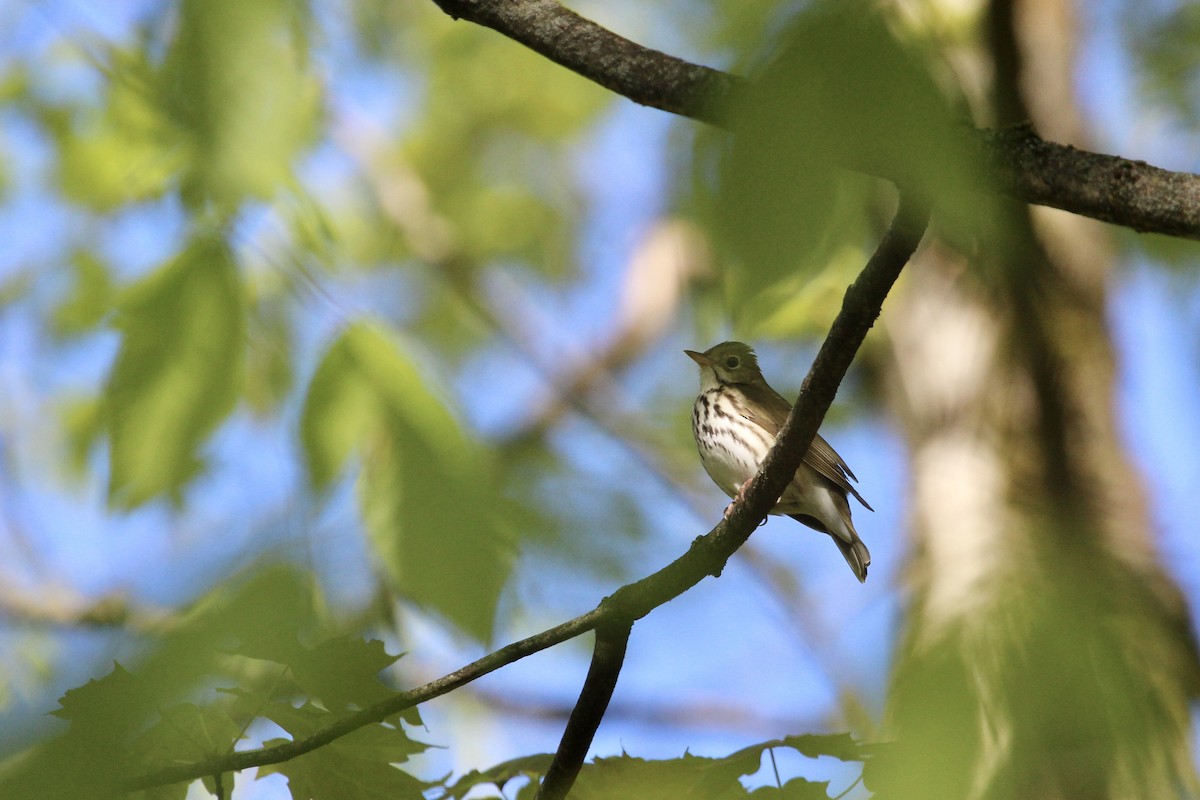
(699, 358)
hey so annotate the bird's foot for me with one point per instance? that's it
(737, 498)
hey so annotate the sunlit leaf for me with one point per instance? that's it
(178, 371)
(236, 80)
(90, 298)
(428, 496)
(123, 152)
(83, 423)
(488, 150)
(269, 358)
(338, 412)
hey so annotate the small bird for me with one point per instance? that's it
(735, 421)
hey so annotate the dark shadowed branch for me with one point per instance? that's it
(649, 77)
(608, 656)
(707, 554)
(1121, 191)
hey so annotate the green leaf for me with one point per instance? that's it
(123, 152)
(90, 299)
(177, 373)
(111, 706)
(117, 729)
(84, 425)
(344, 672)
(795, 789)
(358, 766)
(338, 412)
(236, 81)
(695, 778)
(814, 745)
(532, 767)
(841, 92)
(437, 526)
(427, 493)
(93, 755)
(187, 732)
(269, 357)
(687, 778)
(773, 203)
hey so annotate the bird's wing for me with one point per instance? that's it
(825, 460)
(765, 406)
(769, 409)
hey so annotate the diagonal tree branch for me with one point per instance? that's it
(1024, 166)
(608, 656)
(707, 554)
(648, 77)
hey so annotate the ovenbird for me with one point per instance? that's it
(735, 421)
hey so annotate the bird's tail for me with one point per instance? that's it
(856, 554)
(854, 551)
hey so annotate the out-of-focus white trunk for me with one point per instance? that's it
(1046, 653)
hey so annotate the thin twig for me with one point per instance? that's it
(379, 712)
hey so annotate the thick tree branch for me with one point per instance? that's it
(1124, 192)
(608, 656)
(707, 554)
(645, 76)
(1132, 194)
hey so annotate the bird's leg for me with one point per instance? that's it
(737, 498)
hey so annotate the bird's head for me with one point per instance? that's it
(728, 362)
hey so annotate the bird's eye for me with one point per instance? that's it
(732, 362)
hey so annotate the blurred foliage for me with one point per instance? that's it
(696, 778)
(288, 196)
(686, 778)
(183, 332)
(1163, 38)
(841, 90)
(1083, 639)
(156, 714)
(358, 766)
(235, 81)
(484, 170)
(428, 492)
(529, 768)
(122, 151)
(91, 296)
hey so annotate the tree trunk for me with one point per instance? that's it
(1046, 652)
